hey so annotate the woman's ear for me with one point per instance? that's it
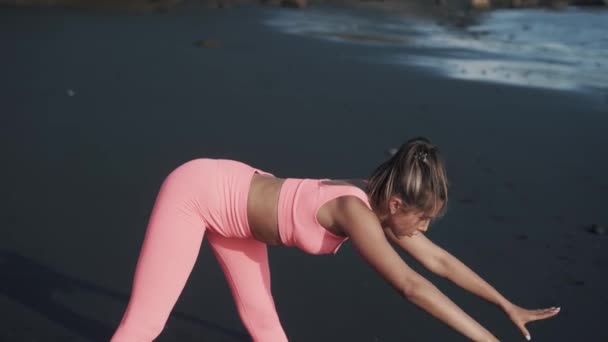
(394, 203)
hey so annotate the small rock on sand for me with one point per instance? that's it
(480, 4)
(598, 229)
(207, 43)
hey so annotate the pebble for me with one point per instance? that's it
(598, 229)
(206, 43)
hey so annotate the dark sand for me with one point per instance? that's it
(80, 174)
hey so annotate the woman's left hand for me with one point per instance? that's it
(521, 316)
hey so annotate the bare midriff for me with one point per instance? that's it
(262, 206)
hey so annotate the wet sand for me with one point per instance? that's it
(97, 107)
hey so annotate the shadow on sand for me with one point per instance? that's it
(33, 284)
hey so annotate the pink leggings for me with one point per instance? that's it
(193, 199)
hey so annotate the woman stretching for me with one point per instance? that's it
(241, 210)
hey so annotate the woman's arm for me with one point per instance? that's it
(366, 234)
(444, 264)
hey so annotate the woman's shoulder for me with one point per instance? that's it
(344, 188)
(339, 198)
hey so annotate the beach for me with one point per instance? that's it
(99, 106)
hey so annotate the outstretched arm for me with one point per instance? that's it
(446, 265)
(366, 234)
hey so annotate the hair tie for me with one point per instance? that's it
(421, 156)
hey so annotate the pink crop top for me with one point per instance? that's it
(299, 203)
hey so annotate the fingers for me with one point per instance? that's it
(536, 315)
(524, 331)
(545, 313)
(522, 316)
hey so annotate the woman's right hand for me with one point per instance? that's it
(521, 316)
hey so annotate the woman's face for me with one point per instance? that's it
(403, 222)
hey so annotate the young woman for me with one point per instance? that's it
(241, 210)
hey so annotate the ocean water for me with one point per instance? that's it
(558, 49)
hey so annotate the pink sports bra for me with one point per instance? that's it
(299, 203)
